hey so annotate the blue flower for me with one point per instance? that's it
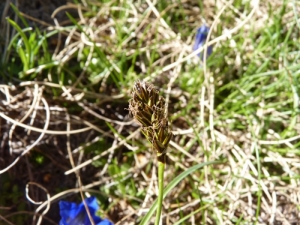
(200, 40)
(75, 214)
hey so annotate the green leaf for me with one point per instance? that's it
(26, 43)
(171, 185)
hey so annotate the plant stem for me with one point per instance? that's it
(161, 168)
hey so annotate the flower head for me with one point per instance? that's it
(75, 214)
(200, 40)
(149, 109)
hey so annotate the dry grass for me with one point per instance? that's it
(77, 123)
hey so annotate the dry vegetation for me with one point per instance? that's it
(65, 128)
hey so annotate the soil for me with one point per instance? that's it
(49, 173)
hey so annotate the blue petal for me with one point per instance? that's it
(201, 36)
(68, 211)
(75, 214)
(105, 222)
(200, 40)
(91, 203)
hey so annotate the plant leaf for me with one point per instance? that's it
(171, 185)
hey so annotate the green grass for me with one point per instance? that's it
(242, 111)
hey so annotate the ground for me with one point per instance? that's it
(66, 77)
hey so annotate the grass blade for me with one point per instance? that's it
(171, 185)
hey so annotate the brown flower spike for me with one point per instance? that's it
(148, 108)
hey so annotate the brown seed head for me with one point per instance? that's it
(148, 108)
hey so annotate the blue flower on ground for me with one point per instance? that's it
(200, 40)
(75, 214)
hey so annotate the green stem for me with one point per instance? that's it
(161, 168)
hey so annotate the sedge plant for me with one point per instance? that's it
(149, 109)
